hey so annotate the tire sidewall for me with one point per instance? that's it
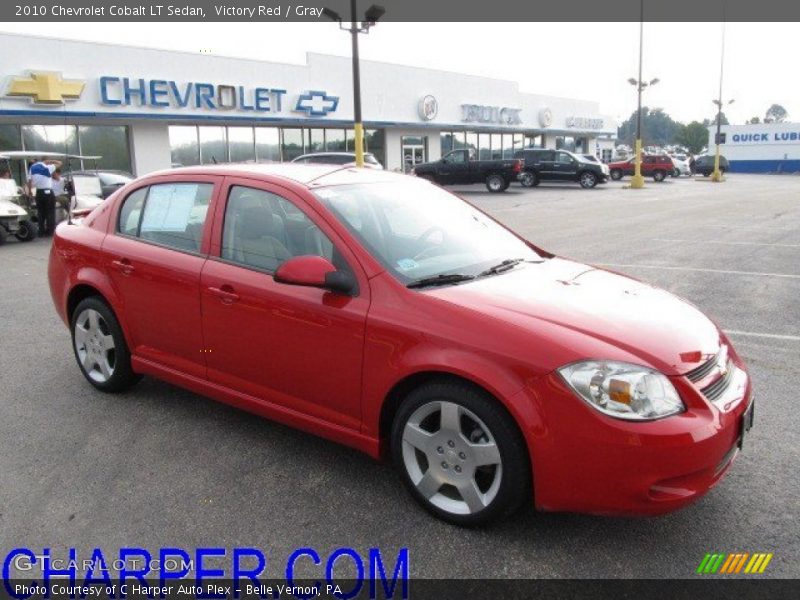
(495, 178)
(515, 486)
(587, 174)
(123, 376)
(529, 179)
(616, 174)
(659, 176)
(30, 231)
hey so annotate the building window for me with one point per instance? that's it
(316, 141)
(508, 145)
(184, 146)
(292, 145)
(109, 142)
(10, 137)
(335, 140)
(268, 144)
(376, 144)
(565, 142)
(447, 142)
(534, 141)
(485, 146)
(51, 138)
(472, 142)
(241, 147)
(213, 146)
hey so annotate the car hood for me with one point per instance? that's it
(604, 308)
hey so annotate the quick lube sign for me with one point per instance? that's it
(775, 137)
(118, 91)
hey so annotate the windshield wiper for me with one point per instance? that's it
(440, 279)
(507, 264)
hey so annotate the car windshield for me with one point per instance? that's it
(419, 231)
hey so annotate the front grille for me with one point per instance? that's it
(716, 389)
(707, 367)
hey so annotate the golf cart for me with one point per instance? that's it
(14, 220)
(83, 193)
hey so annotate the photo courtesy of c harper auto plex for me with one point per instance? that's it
(346, 299)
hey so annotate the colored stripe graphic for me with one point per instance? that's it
(734, 563)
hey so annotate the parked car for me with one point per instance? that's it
(541, 164)
(345, 159)
(385, 313)
(681, 167)
(657, 166)
(110, 180)
(704, 165)
(460, 166)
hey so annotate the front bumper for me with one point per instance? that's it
(584, 461)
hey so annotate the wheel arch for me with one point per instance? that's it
(91, 282)
(403, 387)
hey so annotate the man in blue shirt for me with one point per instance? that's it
(41, 178)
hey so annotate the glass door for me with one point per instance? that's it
(413, 151)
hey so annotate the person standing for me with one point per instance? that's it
(41, 178)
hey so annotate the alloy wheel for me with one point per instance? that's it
(95, 345)
(451, 457)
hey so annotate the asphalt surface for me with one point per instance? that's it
(159, 467)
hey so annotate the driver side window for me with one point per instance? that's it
(564, 158)
(455, 158)
(262, 230)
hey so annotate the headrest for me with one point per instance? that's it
(257, 221)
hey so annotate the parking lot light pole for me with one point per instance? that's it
(637, 181)
(371, 17)
(716, 176)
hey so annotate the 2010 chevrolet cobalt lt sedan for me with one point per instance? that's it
(382, 312)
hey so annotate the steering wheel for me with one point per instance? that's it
(424, 237)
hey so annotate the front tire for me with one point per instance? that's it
(587, 180)
(27, 231)
(496, 183)
(460, 453)
(659, 175)
(100, 348)
(616, 174)
(529, 179)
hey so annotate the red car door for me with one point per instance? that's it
(155, 254)
(299, 347)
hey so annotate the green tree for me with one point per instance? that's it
(776, 114)
(693, 136)
(754, 121)
(658, 128)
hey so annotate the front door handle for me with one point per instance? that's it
(123, 265)
(225, 293)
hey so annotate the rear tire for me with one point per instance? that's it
(616, 174)
(100, 347)
(496, 183)
(27, 231)
(3, 235)
(659, 175)
(472, 466)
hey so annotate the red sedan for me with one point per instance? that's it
(385, 313)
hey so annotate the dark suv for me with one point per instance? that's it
(541, 164)
(704, 165)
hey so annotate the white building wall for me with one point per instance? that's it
(770, 147)
(150, 150)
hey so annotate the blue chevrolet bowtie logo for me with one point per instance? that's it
(316, 104)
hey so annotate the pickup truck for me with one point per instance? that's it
(460, 166)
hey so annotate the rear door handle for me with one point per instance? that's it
(224, 293)
(123, 265)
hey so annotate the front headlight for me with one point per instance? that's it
(623, 390)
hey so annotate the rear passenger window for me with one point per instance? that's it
(256, 232)
(174, 214)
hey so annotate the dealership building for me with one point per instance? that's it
(145, 109)
(760, 148)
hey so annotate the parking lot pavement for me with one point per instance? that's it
(159, 466)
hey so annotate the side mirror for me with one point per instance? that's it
(315, 271)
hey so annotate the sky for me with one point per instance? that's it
(590, 61)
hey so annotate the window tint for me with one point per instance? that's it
(457, 158)
(563, 158)
(131, 212)
(258, 234)
(174, 214)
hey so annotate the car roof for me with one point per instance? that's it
(311, 175)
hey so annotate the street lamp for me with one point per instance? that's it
(371, 16)
(716, 176)
(637, 181)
